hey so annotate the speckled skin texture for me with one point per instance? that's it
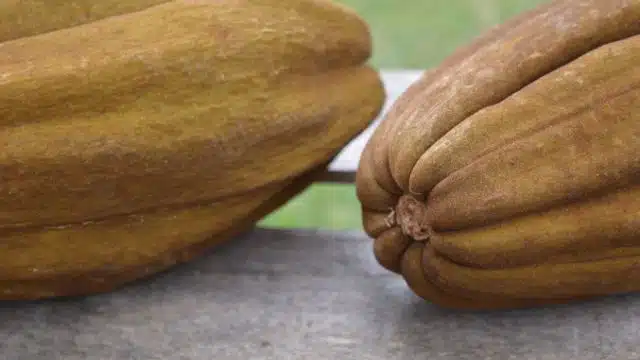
(23, 18)
(134, 140)
(523, 151)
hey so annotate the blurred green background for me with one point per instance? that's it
(407, 34)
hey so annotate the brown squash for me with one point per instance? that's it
(509, 176)
(134, 138)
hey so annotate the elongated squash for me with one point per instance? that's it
(134, 138)
(509, 176)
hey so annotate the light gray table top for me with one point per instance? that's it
(302, 294)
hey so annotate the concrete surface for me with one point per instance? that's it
(274, 294)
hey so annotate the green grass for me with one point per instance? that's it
(415, 34)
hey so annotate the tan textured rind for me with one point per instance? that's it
(132, 142)
(23, 18)
(524, 149)
(102, 256)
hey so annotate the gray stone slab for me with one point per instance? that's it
(300, 294)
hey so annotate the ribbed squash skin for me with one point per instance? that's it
(509, 176)
(136, 137)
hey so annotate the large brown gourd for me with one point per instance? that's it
(509, 176)
(136, 135)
